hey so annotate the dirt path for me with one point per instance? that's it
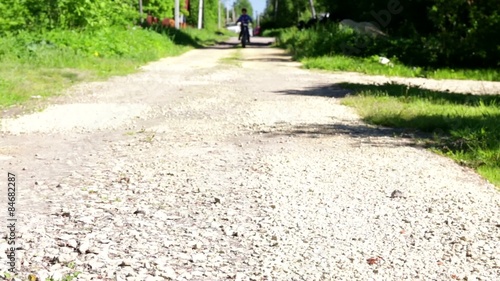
(202, 167)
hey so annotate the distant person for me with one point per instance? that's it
(244, 18)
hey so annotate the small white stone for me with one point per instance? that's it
(199, 258)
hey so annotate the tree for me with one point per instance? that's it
(240, 4)
(210, 12)
(455, 33)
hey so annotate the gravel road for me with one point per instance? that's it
(201, 167)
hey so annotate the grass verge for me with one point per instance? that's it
(38, 65)
(372, 66)
(342, 49)
(234, 59)
(464, 127)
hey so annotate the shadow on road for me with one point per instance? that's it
(270, 59)
(234, 43)
(354, 129)
(366, 134)
(329, 90)
(462, 116)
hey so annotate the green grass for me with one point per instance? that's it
(234, 59)
(272, 32)
(43, 64)
(463, 127)
(371, 66)
(341, 49)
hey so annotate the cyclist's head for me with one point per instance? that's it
(244, 11)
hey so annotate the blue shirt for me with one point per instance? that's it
(244, 19)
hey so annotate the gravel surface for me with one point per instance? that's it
(200, 169)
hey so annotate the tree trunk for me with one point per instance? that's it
(275, 10)
(313, 11)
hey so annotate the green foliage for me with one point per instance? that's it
(289, 13)
(322, 41)
(372, 66)
(464, 127)
(424, 52)
(36, 15)
(159, 8)
(273, 32)
(426, 33)
(210, 14)
(240, 4)
(14, 15)
(43, 63)
(50, 14)
(210, 11)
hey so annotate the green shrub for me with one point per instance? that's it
(426, 52)
(42, 63)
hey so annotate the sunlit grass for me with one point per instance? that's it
(464, 127)
(372, 67)
(42, 65)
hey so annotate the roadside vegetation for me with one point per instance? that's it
(337, 48)
(46, 47)
(233, 60)
(372, 66)
(42, 64)
(463, 127)
(441, 39)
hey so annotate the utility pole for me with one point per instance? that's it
(227, 14)
(218, 14)
(313, 11)
(140, 10)
(200, 14)
(176, 14)
(275, 10)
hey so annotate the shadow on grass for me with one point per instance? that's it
(354, 129)
(464, 126)
(183, 38)
(427, 120)
(178, 36)
(410, 92)
(237, 44)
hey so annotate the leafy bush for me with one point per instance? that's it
(49, 14)
(465, 127)
(34, 47)
(36, 15)
(428, 51)
(42, 63)
(431, 33)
